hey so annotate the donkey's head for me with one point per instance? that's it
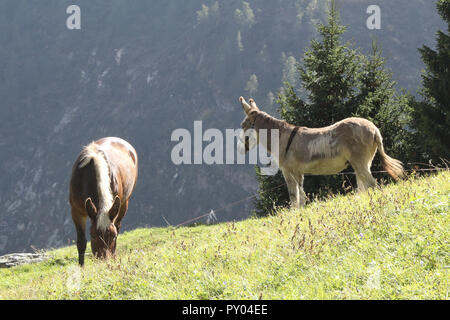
(249, 135)
(103, 230)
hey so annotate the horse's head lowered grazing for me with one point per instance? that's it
(103, 233)
(103, 178)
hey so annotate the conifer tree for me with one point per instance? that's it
(329, 75)
(379, 102)
(432, 116)
(339, 82)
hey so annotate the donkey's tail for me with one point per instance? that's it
(393, 166)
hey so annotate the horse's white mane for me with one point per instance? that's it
(105, 197)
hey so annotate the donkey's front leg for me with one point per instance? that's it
(302, 194)
(293, 189)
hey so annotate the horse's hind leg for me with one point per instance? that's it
(80, 225)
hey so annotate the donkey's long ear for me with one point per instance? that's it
(90, 208)
(114, 211)
(253, 103)
(247, 108)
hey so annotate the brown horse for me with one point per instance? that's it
(103, 178)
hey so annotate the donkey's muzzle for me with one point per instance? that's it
(247, 144)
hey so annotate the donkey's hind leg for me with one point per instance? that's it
(369, 181)
(364, 177)
(359, 182)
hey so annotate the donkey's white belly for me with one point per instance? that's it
(325, 166)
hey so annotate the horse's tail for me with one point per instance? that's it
(393, 166)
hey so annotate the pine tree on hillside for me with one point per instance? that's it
(329, 74)
(432, 116)
(340, 82)
(378, 102)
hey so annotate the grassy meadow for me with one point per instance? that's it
(389, 243)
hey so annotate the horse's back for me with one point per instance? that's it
(114, 144)
(121, 160)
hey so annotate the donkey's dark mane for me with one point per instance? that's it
(272, 122)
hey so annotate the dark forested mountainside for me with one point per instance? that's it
(141, 69)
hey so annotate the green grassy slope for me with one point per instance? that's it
(382, 244)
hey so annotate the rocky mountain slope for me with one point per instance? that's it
(141, 69)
